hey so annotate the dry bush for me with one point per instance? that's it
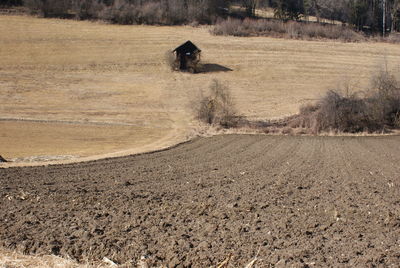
(170, 60)
(384, 99)
(341, 111)
(315, 30)
(306, 119)
(291, 29)
(287, 131)
(393, 38)
(217, 108)
(230, 27)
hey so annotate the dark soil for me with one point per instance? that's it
(298, 201)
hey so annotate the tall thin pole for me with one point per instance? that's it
(383, 17)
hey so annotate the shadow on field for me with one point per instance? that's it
(212, 68)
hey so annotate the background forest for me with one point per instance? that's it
(369, 16)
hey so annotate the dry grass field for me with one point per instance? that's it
(75, 139)
(85, 88)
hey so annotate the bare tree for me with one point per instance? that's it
(250, 6)
(394, 10)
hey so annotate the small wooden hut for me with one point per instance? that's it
(187, 56)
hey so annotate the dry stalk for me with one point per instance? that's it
(250, 264)
(225, 263)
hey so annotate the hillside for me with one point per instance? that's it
(85, 88)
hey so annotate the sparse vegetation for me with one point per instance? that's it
(217, 108)
(376, 110)
(170, 60)
(13, 259)
(291, 29)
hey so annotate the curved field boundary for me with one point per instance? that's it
(167, 142)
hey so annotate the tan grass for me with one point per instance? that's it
(94, 73)
(11, 259)
(68, 139)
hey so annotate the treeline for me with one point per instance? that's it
(10, 3)
(365, 15)
(163, 12)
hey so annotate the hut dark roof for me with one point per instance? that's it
(2, 159)
(187, 47)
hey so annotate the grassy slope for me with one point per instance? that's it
(87, 72)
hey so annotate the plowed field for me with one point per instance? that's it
(301, 201)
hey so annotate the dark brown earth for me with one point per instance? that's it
(299, 201)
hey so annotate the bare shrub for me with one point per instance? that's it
(337, 112)
(343, 111)
(291, 29)
(170, 60)
(384, 98)
(218, 108)
(393, 38)
(287, 131)
(306, 119)
(230, 27)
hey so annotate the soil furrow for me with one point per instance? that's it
(298, 201)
